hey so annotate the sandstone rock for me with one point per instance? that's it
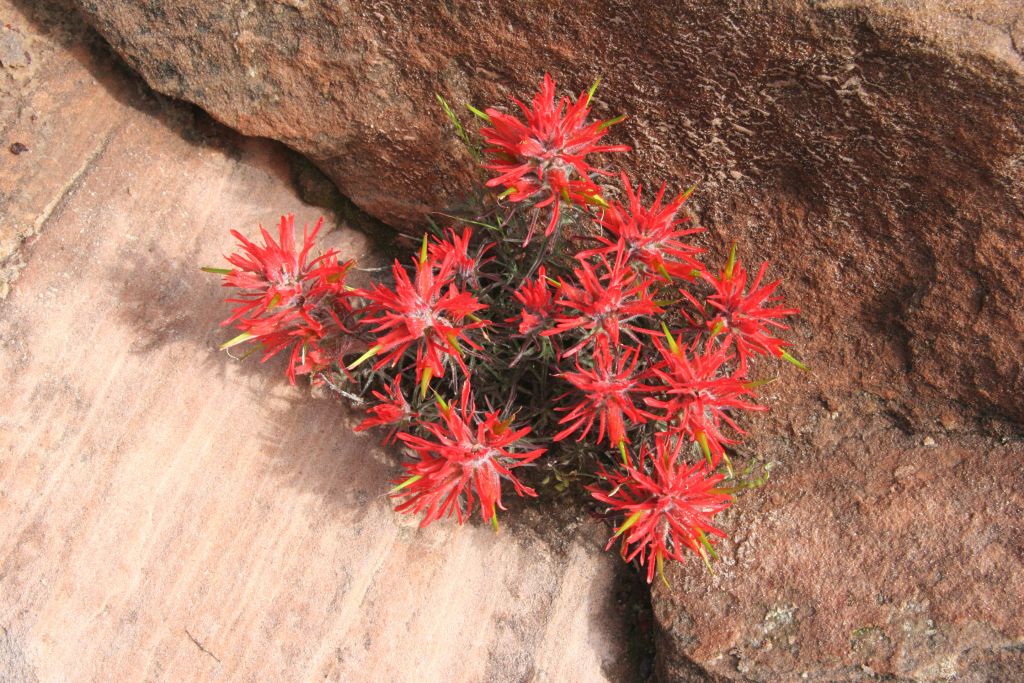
(169, 514)
(873, 149)
(868, 556)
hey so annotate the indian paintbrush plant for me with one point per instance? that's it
(569, 323)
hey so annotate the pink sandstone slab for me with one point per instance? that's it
(167, 513)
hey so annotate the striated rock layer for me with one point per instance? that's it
(170, 514)
(873, 149)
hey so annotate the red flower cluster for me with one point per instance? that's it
(629, 341)
(606, 391)
(428, 312)
(650, 237)
(285, 301)
(739, 312)
(464, 458)
(602, 305)
(538, 304)
(668, 502)
(544, 159)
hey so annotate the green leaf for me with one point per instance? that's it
(593, 89)
(428, 374)
(443, 405)
(471, 222)
(244, 337)
(731, 264)
(672, 345)
(630, 521)
(660, 562)
(702, 439)
(611, 122)
(216, 271)
(794, 361)
(370, 353)
(411, 480)
(706, 543)
(478, 113)
(459, 130)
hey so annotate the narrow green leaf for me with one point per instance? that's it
(731, 264)
(452, 117)
(425, 382)
(728, 465)
(370, 353)
(754, 384)
(478, 113)
(630, 521)
(611, 122)
(706, 543)
(794, 361)
(244, 337)
(216, 271)
(593, 89)
(672, 345)
(411, 480)
(702, 439)
(660, 562)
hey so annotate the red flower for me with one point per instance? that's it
(393, 409)
(544, 159)
(538, 304)
(602, 305)
(286, 303)
(606, 390)
(422, 313)
(669, 505)
(457, 248)
(741, 314)
(696, 398)
(464, 461)
(650, 236)
(275, 274)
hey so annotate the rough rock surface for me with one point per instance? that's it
(169, 514)
(873, 149)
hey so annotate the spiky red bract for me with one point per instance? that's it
(391, 409)
(650, 236)
(537, 301)
(272, 274)
(463, 460)
(544, 159)
(740, 312)
(601, 304)
(696, 396)
(466, 259)
(671, 504)
(606, 392)
(285, 301)
(429, 311)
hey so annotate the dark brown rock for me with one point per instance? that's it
(871, 554)
(874, 150)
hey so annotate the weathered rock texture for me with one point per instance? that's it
(169, 514)
(873, 149)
